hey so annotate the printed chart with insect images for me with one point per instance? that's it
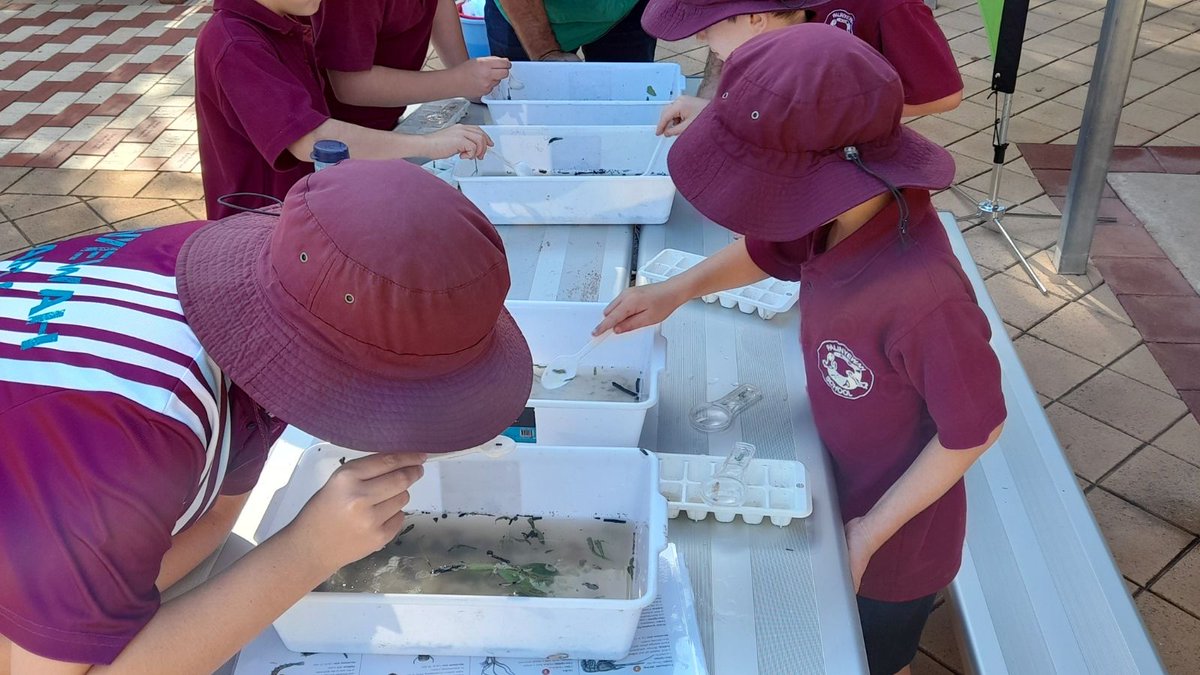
(667, 642)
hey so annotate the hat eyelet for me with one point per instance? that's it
(725, 95)
(303, 257)
(754, 115)
(349, 299)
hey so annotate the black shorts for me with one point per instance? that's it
(892, 631)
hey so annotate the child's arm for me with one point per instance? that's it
(191, 546)
(469, 142)
(647, 305)
(358, 511)
(392, 87)
(944, 104)
(447, 37)
(934, 472)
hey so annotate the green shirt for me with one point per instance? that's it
(579, 22)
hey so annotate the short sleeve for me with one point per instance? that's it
(347, 35)
(780, 259)
(253, 434)
(914, 44)
(263, 98)
(89, 498)
(950, 362)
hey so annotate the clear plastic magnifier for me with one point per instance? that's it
(726, 488)
(718, 415)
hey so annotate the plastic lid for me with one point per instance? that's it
(329, 151)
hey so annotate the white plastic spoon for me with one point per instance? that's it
(662, 140)
(562, 369)
(497, 447)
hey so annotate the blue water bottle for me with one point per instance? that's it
(326, 153)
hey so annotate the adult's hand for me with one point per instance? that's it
(677, 116)
(465, 140)
(479, 76)
(360, 508)
(559, 55)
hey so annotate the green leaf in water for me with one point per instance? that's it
(597, 547)
(650, 90)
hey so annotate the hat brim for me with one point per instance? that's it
(783, 206)
(345, 403)
(672, 20)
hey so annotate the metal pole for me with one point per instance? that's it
(1098, 132)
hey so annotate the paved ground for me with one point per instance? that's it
(97, 131)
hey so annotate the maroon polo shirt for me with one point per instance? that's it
(905, 32)
(896, 352)
(353, 36)
(116, 432)
(258, 91)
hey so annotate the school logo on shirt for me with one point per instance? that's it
(840, 18)
(844, 372)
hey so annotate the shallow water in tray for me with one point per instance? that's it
(594, 384)
(475, 554)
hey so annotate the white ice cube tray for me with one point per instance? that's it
(767, 297)
(775, 489)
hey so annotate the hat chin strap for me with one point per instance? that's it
(851, 153)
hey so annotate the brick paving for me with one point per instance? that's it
(97, 132)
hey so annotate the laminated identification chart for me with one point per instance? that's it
(666, 643)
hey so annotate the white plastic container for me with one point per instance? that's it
(775, 489)
(767, 297)
(556, 328)
(551, 196)
(582, 483)
(585, 93)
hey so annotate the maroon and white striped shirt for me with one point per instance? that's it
(116, 432)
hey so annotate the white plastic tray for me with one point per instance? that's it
(776, 489)
(554, 328)
(580, 483)
(767, 297)
(585, 93)
(550, 198)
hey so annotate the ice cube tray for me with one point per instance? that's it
(767, 297)
(775, 489)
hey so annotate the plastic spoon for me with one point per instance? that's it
(662, 140)
(497, 447)
(521, 168)
(562, 369)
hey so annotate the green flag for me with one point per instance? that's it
(991, 11)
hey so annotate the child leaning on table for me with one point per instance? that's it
(903, 31)
(802, 152)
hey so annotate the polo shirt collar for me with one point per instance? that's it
(853, 254)
(252, 11)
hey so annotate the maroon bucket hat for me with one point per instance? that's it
(370, 313)
(767, 158)
(677, 19)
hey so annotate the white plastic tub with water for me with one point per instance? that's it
(556, 328)
(585, 93)
(578, 483)
(582, 175)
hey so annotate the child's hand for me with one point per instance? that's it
(640, 306)
(477, 77)
(359, 509)
(465, 140)
(861, 548)
(677, 116)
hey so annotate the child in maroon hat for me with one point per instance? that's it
(145, 374)
(904, 31)
(261, 105)
(802, 151)
(373, 50)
